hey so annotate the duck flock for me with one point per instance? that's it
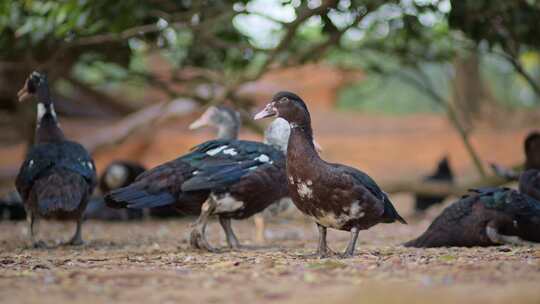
(236, 179)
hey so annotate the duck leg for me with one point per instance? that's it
(322, 250)
(198, 234)
(33, 227)
(77, 240)
(232, 241)
(498, 238)
(259, 228)
(349, 252)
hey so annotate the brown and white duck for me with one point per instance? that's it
(334, 195)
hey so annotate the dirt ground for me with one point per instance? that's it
(151, 262)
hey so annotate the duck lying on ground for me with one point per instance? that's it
(116, 175)
(58, 176)
(334, 195)
(487, 217)
(11, 207)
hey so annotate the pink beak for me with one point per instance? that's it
(268, 111)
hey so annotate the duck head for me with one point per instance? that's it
(224, 119)
(288, 106)
(290, 111)
(36, 85)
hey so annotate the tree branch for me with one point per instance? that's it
(426, 87)
(139, 120)
(98, 97)
(441, 188)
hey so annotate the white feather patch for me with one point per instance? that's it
(304, 190)
(40, 111)
(230, 151)
(227, 203)
(216, 150)
(330, 219)
(263, 158)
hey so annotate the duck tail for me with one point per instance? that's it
(390, 213)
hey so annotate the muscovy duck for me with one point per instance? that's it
(227, 123)
(531, 147)
(276, 134)
(334, 195)
(231, 166)
(160, 186)
(117, 174)
(241, 186)
(443, 173)
(58, 176)
(11, 207)
(487, 217)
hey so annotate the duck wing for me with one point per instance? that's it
(390, 213)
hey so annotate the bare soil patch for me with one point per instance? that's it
(151, 262)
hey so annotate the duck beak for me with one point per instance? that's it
(23, 93)
(318, 147)
(203, 121)
(268, 111)
(199, 123)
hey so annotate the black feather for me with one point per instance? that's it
(219, 176)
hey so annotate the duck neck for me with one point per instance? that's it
(47, 126)
(228, 130)
(300, 150)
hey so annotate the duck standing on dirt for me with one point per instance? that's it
(335, 196)
(161, 186)
(487, 217)
(217, 172)
(242, 184)
(58, 175)
(443, 173)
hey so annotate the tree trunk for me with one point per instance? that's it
(468, 92)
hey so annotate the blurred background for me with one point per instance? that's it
(393, 86)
